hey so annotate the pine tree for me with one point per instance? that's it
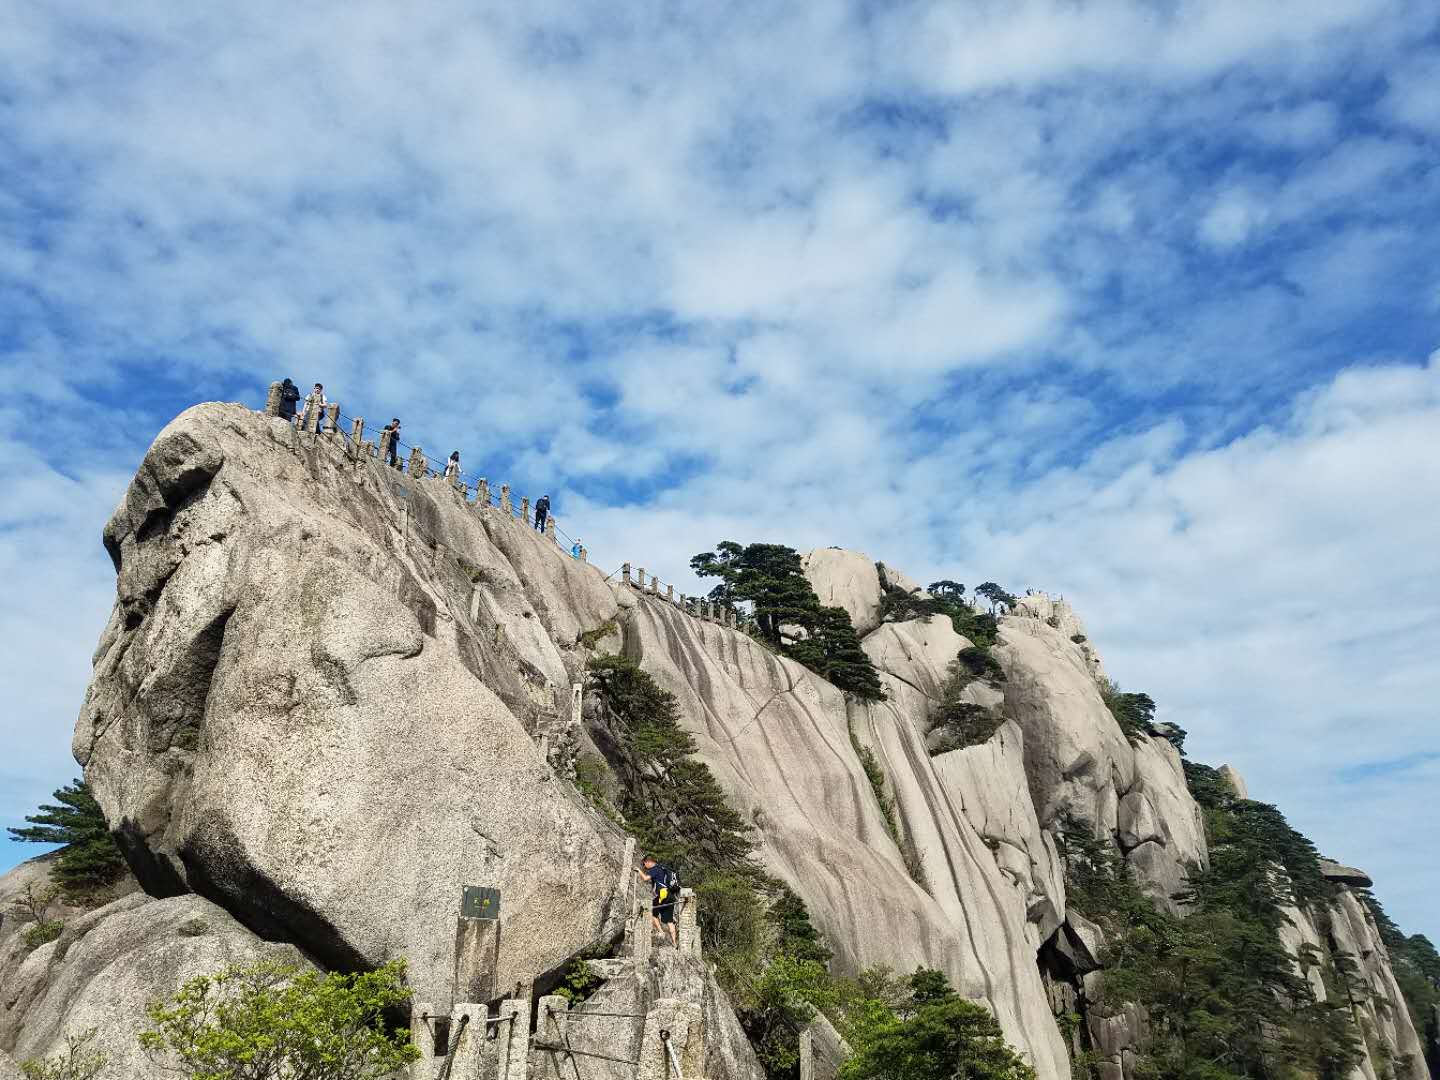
(89, 860)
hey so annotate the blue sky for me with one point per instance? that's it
(1137, 302)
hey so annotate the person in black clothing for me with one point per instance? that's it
(392, 455)
(542, 511)
(289, 395)
(665, 890)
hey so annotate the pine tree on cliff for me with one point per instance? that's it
(772, 579)
(833, 650)
(768, 576)
(90, 860)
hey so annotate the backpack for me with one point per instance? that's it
(670, 881)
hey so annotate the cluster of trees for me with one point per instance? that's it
(787, 614)
(1223, 995)
(1417, 969)
(946, 597)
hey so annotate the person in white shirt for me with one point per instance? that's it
(316, 400)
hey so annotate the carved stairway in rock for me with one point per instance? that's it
(645, 1022)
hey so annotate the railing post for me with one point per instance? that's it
(357, 432)
(688, 932)
(467, 1038)
(584, 554)
(272, 399)
(807, 1053)
(640, 579)
(625, 573)
(332, 417)
(525, 509)
(482, 493)
(417, 462)
(387, 440)
(513, 1038)
(670, 593)
(550, 1028)
(674, 1035)
(550, 527)
(505, 499)
(422, 1035)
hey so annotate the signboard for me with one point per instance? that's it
(479, 902)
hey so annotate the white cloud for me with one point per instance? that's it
(1234, 217)
(1413, 97)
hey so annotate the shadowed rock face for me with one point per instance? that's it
(295, 712)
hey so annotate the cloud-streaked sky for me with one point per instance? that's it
(1133, 301)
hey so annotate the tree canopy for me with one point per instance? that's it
(787, 613)
(90, 860)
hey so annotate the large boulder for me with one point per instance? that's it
(1353, 933)
(109, 965)
(311, 704)
(846, 579)
(1344, 875)
(918, 652)
(1231, 776)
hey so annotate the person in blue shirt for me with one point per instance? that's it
(575, 549)
(665, 892)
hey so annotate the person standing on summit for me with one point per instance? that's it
(392, 452)
(542, 511)
(289, 395)
(316, 400)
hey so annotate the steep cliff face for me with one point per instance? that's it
(319, 699)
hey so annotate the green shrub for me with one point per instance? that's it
(580, 981)
(78, 1061)
(37, 934)
(962, 724)
(275, 1021)
(588, 639)
(1133, 712)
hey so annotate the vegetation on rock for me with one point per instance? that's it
(89, 862)
(274, 1021)
(32, 906)
(1223, 996)
(78, 1061)
(963, 723)
(668, 798)
(788, 615)
(1417, 969)
(1135, 713)
(931, 1033)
